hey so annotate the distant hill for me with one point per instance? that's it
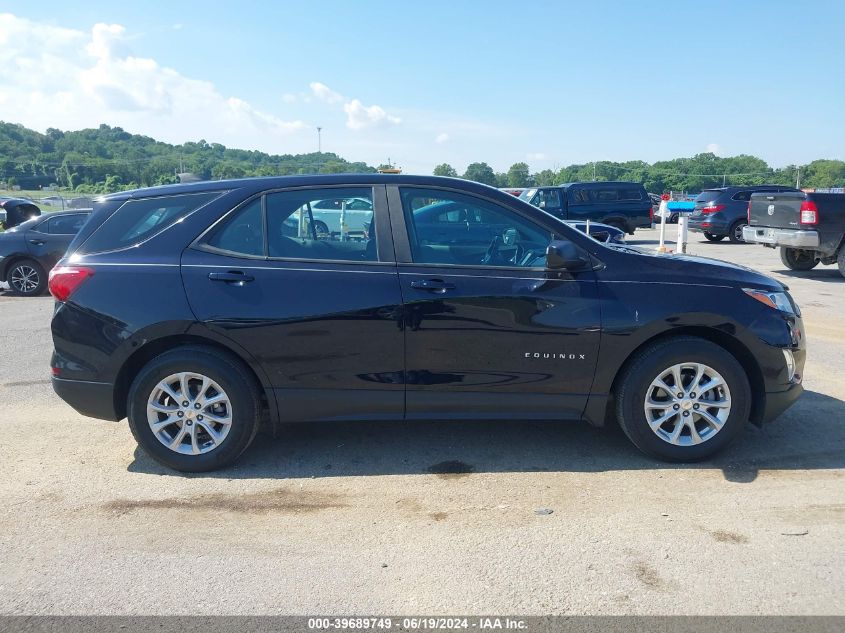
(109, 159)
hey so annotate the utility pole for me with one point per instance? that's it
(594, 171)
(798, 177)
(319, 140)
(724, 178)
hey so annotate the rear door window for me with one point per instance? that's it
(139, 220)
(66, 224)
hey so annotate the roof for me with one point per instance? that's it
(278, 182)
(603, 183)
(746, 187)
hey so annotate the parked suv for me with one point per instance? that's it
(625, 205)
(723, 212)
(199, 310)
(29, 250)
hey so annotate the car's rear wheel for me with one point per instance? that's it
(710, 237)
(194, 409)
(27, 278)
(683, 399)
(735, 232)
(840, 261)
(799, 259)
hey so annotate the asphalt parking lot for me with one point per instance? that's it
(435, 518)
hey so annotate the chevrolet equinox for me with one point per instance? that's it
(199, 311)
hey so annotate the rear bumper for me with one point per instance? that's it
(92, 399)
(781, 237)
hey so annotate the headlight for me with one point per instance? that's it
(776, 300)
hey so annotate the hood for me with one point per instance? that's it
(700, 270)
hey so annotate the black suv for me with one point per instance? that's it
(199, 310)
(723, 212)
(625, 205)
(29, 250)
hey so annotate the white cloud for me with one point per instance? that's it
(537, 156)
(71, 79)
(441, 138)
(714, 148)
(324, 93)
(359, 116)
(288, 98)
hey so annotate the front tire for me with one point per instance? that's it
(27, 278)
(683, 399)
(194, 409)
(840, 261)
(710, 237)
(800, 259)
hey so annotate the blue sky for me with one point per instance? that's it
(549, 83)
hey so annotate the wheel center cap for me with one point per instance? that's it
(189, 414)
(686, 405)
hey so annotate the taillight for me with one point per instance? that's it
(748, 212)
(712, 209)
(651, 213)
(64, 280)
(809, 212)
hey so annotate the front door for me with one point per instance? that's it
(319, 309)
(489, 331)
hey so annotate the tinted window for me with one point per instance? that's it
(243, 233)
(742, 195)
(139, 220)
(707, 196)
(490, 235)
(334, 224)
(66, 224)
(547, 199)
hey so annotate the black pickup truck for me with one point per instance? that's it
(809, 228)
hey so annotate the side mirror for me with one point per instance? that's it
(564, 255)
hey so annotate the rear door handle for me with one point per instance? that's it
(432, 285)
(232, 277)
(37, 242)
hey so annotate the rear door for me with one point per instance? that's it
(49, 240)
(321, 313)
(489, 333)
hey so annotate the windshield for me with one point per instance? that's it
(707, 196)
(527, 194)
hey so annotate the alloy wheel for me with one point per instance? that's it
(24, 279)
(687, 404)
(189, 413)
(738, 232)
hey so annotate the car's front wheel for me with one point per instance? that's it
(194, 409)
(798, 259)
(683, 399)
(710, 237)
(27, 278)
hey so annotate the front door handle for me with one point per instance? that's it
(232, 277)
(37, 242)
(432, 285)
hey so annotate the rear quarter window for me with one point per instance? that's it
(139, 220)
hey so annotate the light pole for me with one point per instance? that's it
(319, 140)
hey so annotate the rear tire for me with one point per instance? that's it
(840, 261)
(799, 259)
(735, 232)
(699, 437)
(713, 238)
(27, 278)
(212, 435)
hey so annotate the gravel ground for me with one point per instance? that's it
(433, 518)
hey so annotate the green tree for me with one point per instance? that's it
(445, 169)
(481, 172)
(518, 175)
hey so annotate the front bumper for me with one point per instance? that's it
(781, 237)
(779, 401)
(92, 399)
